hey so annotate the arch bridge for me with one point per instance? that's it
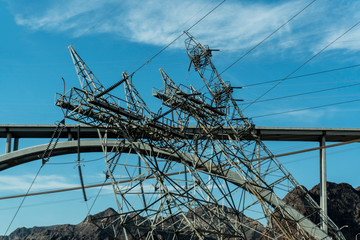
(89, 141)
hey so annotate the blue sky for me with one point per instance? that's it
(116, 36)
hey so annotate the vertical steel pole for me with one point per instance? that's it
(8, 143)
(258, 157)
(323, 192)
(79, 164)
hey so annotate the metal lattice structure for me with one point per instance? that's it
(173, 184)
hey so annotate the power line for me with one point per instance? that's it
(328, 96)
(327, 154)
(305, 93)
(74, 162)
(307, 150)
(159, 52)
(22, 201)
(307, 61)
(269, 36)
(97, 196)
(303, 75)
(45, 203)
(164, 48)
(101, 185)
(45, 158)
(308, 108)
(313, 83)
(178, 29)
(96, 23)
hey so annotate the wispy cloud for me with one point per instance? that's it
(306, 116)
(234, 25)
(74, 16)
(310, 115)
(21, 183)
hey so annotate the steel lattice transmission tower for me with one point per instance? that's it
(178, 173)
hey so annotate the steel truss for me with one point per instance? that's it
(190, 187)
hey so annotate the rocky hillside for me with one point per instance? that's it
(88, 230)
(343, 209)
(83, 230)
(343, 206)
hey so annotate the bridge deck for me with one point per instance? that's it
(266, 133)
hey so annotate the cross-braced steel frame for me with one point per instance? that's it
(190, 187)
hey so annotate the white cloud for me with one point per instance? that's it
(158, 22)
(60, 16)
(307, 116)
(310, 116)
(234, 25)
(350, 41)
(334, 19)
(22, 183)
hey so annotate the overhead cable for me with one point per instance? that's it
(96, 23)
(175, 31)
(307, 150)
(308, 108)
(303, 75)
(305, 93)
(159, 52)
(332, 153)
(45, 158)
(83, 161)
(307, 61)
(269, 36)
(164, 48)
(22, 201)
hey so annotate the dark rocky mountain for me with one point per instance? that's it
(88, 230)
(343, 209)
(343, 206)
(343, 203)
(83, 230)
(251, 228)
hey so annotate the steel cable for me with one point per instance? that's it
(303, 75)
(303, 64)
(23, 200)
(159, 52)
(267, 37)
(308, 108)
(305, 93)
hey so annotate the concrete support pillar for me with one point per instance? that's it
(16, 144)
(70, 137)
(8, 142)
(323, 190)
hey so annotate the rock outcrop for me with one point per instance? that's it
(343, 203)
(83, 230)
(343, 206)
(108, 219)
(343, 209)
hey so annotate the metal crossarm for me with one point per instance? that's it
(190, 186)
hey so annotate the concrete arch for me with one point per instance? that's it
(26, 155)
